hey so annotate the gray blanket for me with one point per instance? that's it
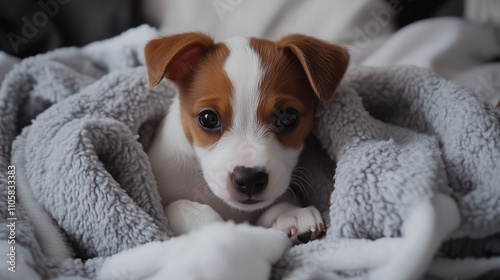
(75, 124)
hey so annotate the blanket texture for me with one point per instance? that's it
(75, 124)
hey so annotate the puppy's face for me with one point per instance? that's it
(247, 105)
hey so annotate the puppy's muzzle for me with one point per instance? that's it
(249, 182)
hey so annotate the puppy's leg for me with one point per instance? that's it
(184, 216)
(301, 224)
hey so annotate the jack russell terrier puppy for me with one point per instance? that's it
(230, 142)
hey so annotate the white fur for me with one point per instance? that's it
(185, 215)
(217, 251)
(248, 143)
(173, 159)
(285, 216)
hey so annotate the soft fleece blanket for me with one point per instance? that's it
(403, 165)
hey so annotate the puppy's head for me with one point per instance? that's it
(247, 105)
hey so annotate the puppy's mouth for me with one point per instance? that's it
(249, 204)
(250, 201)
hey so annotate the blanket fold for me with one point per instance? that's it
(466, 127)
(396, 150)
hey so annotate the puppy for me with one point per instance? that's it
(231, 140)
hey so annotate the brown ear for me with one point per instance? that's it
(324, 63)
(175, 57)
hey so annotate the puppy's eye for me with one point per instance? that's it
(286, 119)
(209, 120)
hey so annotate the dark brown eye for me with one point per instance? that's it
(286, 119)
(209, 120)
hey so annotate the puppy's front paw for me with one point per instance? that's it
(184, 216)
(301, 224)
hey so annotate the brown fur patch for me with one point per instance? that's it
(284, 85)
(324, 64)
(210, 89)
(175, 57)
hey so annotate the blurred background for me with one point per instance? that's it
(79, 22)
(458, 39)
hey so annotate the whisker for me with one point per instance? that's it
(302, 168)
(300, 178)
(302, 189)
(289, 190)
(299, 172)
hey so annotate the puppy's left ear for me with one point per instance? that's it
(324, 64)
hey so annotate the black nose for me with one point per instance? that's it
(249, 181)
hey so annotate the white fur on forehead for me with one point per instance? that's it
(244, 70)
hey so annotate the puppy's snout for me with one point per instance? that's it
(249, 181)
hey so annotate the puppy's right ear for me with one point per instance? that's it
(175, 57)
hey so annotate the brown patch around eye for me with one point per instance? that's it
(210, 89)
(284, 85)
(271, 105)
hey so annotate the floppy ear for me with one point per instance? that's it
(323, 63)
(175, 57)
